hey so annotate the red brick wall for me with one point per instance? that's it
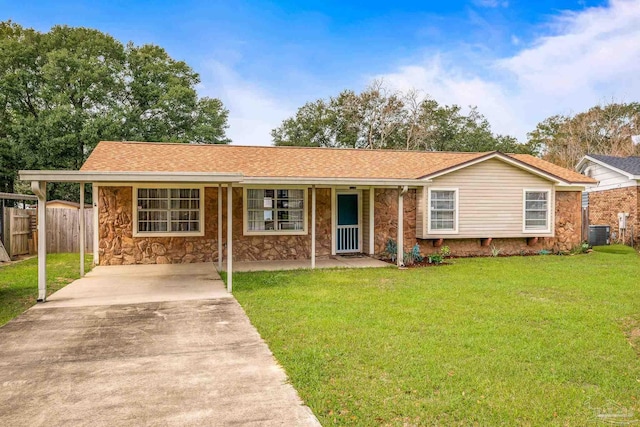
(605, 205)
(568, 222)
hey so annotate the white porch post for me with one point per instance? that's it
(372, 222)
(313, 226)
(96, 230)
(400, 248)
(334, 221)
(219, 227)
(82, 229)
(229, 238)
(39, 188)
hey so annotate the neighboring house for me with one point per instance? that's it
(167, 203)
(64, 204)
(615, 201)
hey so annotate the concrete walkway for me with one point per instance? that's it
(87, 359)
(333, 262)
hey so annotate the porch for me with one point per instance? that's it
(357, 261)
(312, 224)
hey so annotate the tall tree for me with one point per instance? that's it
(381, 118)
(603, 129)
(64, 90)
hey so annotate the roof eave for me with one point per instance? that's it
(378, 182)
(606, 165)
(127, 176)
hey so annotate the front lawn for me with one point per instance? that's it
(546, 340)
(19, 281)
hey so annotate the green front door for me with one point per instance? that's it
(348, 224)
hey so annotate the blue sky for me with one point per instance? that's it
(519, 62)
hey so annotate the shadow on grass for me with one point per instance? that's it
(615, 249)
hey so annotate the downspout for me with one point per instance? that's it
(400, 240)
(39, 188)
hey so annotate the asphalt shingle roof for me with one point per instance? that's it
(629, 164)
(292, 162)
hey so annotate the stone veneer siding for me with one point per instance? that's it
(118, 246)
(605, 205)
(567, 228)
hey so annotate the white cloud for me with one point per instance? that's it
(253, 112)
(592, 57)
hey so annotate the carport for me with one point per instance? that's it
(40, 178)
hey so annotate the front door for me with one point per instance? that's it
(348, 223)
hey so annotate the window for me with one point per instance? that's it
(169, 211)
(277, 211)
(536, 210)
(443, 214)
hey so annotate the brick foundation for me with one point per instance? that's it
(568, 222)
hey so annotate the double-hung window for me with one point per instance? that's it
(536, 210)
(170, 211)
(275, 211)
(443, 210)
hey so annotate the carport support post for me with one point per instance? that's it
(313, 226)
(39, 188)
(219, 227)
(229, 238)
(82, 229)
(400, 245)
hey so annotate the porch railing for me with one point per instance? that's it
(348, 238)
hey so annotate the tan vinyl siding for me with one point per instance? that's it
(365, 222)
(490, 200)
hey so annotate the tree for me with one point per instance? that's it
(603, 129)
(64, 90)
(381, 118)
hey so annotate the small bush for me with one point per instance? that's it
(435, 258)
(495, 251)
(445, 251)
(391, 249)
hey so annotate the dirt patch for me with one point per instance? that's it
(631, 329)
(424, 263)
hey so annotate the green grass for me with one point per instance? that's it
(19, 281)
(544, 340)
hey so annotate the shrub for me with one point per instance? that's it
(435, 258)
(391, 249)
(445, 251)
(495, 251)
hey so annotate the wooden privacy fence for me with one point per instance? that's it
(16, 231)
(63, 228)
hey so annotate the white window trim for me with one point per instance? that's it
(550, 206)
(456, 208)
(305, 209)
(137, 233)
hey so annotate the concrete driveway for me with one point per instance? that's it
(98, 354)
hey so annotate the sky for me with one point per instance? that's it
(518, 61)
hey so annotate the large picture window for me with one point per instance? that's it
(275, 211)
(443, 215)
(169, 211)
(536, 210)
